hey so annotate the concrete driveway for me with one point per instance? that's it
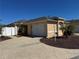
(32, 48)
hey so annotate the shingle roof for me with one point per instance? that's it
(48, 18)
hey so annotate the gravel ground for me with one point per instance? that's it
(32, 48)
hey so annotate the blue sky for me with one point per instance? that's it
(12, 10)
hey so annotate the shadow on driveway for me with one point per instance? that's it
(69, 43)
(77, 57)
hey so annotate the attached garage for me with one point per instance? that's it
(39, 30)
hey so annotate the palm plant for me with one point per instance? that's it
(68, 30)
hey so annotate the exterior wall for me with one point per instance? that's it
(60, 33)
(51, 30)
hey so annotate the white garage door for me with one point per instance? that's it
(39, 30)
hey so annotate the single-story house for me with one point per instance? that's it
(44, 26)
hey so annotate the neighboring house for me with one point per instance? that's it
(43, 26)
(75, 22)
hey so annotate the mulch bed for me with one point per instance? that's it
(62, 42)
(3, 38)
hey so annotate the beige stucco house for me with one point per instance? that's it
(44, 26)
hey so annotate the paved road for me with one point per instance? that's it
(32, 48)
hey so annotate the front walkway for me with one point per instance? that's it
(32, 48)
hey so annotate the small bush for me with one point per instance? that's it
(69, 30)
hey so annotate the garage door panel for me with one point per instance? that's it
(39, 30)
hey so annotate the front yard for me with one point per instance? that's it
(33, 48)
